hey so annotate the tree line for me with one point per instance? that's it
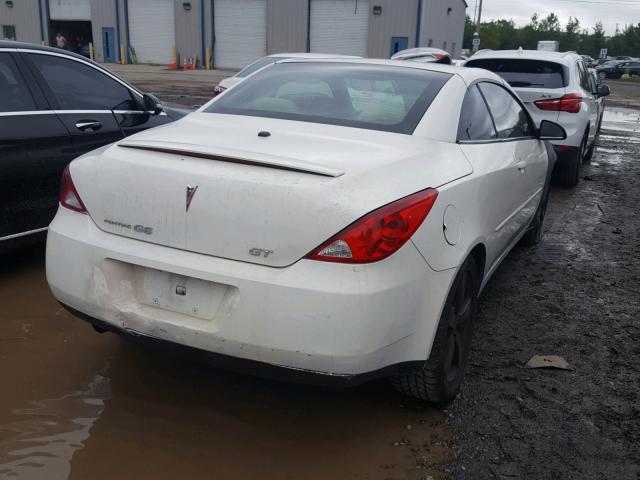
(504, 35)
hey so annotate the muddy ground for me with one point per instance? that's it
(576, 295)
(76, 404)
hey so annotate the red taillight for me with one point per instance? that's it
(218, 90)
(571, 102)
(69, 197)
(379, 233)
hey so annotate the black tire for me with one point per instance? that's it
(534, 234)
(589, 155)
(570, 167)
(439, 379)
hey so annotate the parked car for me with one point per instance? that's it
(588, 61)
(54, 106)
(263, 62)
(336, 222)
(617, 69)
(553, 86)
(424, 55)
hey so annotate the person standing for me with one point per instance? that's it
(61, 41)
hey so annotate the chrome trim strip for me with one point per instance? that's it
(65, 112)
(24, 234)
(28, 112)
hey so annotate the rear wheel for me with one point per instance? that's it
(439, 379)
(570, 167)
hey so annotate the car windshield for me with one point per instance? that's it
(524, 73)
(391, 99)
(257, 65)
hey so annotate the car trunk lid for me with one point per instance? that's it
(209, 184)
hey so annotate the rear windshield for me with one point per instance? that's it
(524, 73)
(391, 99)
(257, 65)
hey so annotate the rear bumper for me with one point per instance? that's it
(251, 367)
(331, 319)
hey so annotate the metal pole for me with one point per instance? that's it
(476, 36)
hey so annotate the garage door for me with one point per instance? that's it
(241, 32)
(70, 9)
(340, 26)
(152, 30)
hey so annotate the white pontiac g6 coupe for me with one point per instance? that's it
(333, 218)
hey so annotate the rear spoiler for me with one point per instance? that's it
(199, 151)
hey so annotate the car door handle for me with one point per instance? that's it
(521, 166)
(90, 125)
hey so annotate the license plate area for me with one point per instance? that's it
(180, 294)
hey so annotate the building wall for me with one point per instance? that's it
(287, 27)
(25, 16)
(439, 27)
(188, 29)
(398, 19)
(103, 15)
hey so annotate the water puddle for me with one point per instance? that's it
(42, 442)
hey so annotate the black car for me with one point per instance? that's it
(54, 106)
(616, 70)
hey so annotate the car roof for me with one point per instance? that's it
(469, 75)
(565, 58)
(417, 52)
(33, 46)
(311, 55)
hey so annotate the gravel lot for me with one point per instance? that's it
(576, 295)
(80, 405)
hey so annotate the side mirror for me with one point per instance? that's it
(551, 131)
(604, 91)
(152, 104)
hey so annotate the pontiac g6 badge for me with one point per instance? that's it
(191, 191)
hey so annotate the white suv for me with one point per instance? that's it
(554, 86)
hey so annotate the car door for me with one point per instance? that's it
(82, 97)
(498, 138)
(30, 135)
(589, 99)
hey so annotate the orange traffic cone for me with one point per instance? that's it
(193, 63)
(184, 66)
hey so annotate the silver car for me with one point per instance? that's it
(557, 87)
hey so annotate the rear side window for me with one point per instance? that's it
(14, 94)
(510, 118)
(80, 87)
(475, 121)
(524, 73)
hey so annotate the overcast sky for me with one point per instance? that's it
(609, 12)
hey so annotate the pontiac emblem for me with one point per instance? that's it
(191, 191)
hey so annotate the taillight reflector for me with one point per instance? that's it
(69, 197)
(571, 103)
(378, 234)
